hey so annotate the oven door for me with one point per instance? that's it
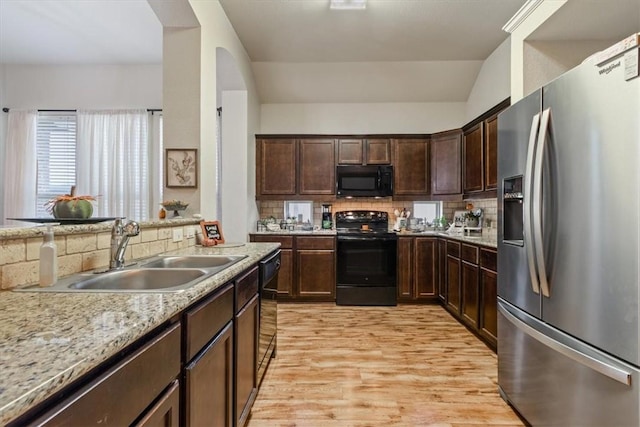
(366, 261)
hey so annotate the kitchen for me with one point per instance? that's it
(369, 117)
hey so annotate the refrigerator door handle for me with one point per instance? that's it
(537, 203)
(603, 368)
(526, 209)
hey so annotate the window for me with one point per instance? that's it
(427, 210)
(301, 211)
(56, 157)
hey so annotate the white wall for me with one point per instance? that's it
(361, 118)
(82, 86)
(3, 135)
(544, 61)
(234, 153)
(493, 84)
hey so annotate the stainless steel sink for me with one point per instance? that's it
(140, 280)
(161, 273)
(217, 262)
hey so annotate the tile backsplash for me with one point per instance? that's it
(275, 208)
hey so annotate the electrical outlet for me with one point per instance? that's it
(177, 235)
(190, 232)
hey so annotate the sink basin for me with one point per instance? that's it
(141, 280)
(217, 262)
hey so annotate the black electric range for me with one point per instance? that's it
(366, 259)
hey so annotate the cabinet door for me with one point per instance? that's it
(317, 167)
(472, 155)
(166, 411)
(411, 167)
(442, 271)
(491, 153)
(247, 324)
(453, 284)
(350, 151)
(316, 275)
(209, 386)
(276, 174)
(470, 290)
(446, 164)
(378, 152)
(489, 301)
(285, 275)
(426, 267)
(405, 268)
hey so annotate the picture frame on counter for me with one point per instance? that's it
(211, 233)
(181, 168)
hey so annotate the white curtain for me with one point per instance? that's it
(156, 169)
(113, 161)
(20, 168)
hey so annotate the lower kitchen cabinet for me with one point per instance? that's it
(489, 296)
(147, 375)
(247, 326)
(417, 269)
(307, 270)
(468, 288)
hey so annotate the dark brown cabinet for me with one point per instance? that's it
(453, 277)
(166, 411)
(491, 153)
(208, 348)
(276, 171)
(470, 284)
(364, 151)
(417, 269)
(316, 275)
(288, 168)
(446, 161)
(286, 273)
(473, 160)
(141, 378)
(246, 323)
(411, 180)
(316, 173)
(488, 326)
(442, 271)
(307, 269)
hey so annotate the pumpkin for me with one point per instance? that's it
(80, 209)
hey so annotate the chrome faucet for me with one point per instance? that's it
(120, 234)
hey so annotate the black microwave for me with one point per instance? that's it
(364, 181)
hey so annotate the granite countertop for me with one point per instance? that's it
(484, 239)
(49, 340)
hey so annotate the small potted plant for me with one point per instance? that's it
(472, 219)
(70, 206)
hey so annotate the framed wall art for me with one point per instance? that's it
(211, 233)
(181, 168)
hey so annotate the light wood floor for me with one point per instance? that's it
(378, 366)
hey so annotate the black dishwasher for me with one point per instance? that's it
(269, 268)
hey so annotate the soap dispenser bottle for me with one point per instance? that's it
(48, 259)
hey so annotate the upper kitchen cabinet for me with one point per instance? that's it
(480, 154)
(411, 180)
(446, 164)
(276, 160)
(317, 167)
(473, 161)
(364, 151)
(291, 168)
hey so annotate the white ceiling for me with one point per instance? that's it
(394, 51)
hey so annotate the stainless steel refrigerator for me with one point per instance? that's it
(569, 248)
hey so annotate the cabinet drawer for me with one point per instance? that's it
(206, 319)
(327, 243)
(137, 380)
(286, 242)
(246, 288)
(488, 259)
(470, 253)
(453, 249)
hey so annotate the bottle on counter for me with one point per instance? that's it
(48, 259)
